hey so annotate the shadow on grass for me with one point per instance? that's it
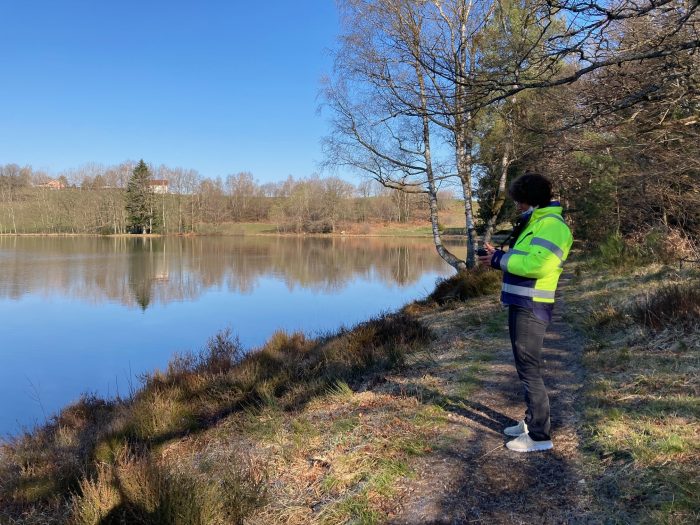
(481, 414)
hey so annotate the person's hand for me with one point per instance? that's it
(485, 260)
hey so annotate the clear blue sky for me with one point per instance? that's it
(218, 86)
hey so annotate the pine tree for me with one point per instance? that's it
(139, 200)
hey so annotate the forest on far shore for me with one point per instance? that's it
(92, 200)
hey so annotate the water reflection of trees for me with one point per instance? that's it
(143, 271)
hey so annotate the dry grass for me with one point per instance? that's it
(100, 452)
(137, 489)
(642, 406)
(466, 285)
(671, 306)
(338, 461)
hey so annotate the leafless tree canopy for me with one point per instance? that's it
(419, 87)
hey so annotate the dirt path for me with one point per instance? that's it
(471, 477)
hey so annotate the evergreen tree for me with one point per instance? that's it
(139, 200)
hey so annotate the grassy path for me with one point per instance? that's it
(424, 444)
(471, 477)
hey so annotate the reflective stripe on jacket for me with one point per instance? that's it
(531, 268)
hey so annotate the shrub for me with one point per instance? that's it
(605, 316)
(614, 253)
(671, 306)
(221, 354)
(651, 245)
(465, 285)
(662, 244)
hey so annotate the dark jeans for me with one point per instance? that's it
(526, 336)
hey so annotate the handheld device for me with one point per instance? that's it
(481, 252)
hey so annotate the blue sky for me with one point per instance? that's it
(216, 86)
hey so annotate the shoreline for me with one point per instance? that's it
(189, 235)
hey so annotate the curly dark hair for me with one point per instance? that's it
(531, 188)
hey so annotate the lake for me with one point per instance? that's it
(91, 314)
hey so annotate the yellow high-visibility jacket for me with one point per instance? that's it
(531, 268)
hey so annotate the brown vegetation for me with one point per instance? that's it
(106, 461)
(673, 306)
(466, 284)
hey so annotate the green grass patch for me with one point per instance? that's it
(345, 425)
(353, 509)
(263, 425)
(469, 379)
(496, 324)
(431, 416)
(642, 401)
(359, 506)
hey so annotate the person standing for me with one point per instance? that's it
(538, 247)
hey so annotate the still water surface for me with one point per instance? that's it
(90, 314)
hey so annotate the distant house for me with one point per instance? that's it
(158, 186)
(52, 184)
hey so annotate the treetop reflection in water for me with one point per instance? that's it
(140, 271)
(89, 314)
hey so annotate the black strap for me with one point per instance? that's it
(518, 228)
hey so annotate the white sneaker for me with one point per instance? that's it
(515, 431)
(523, 443)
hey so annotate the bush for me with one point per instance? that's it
(613, 252)
(651, 245)
(671, 306)
(465, 285)
(661, 244)
(220, 355)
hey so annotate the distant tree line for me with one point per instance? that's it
(100, 199)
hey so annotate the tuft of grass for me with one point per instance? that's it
(138, 490)
(220, 355)
(159, 412)
(340, 391)
(676, 306)
(606, 315)
(465, 285)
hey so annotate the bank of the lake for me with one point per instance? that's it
(396, 420)
(269, 229)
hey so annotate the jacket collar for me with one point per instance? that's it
(554, 207)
